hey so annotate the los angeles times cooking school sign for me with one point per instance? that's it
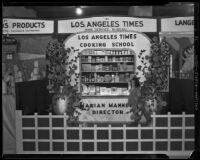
(109, 109)
(112, 37)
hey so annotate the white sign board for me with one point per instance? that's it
(104, 110)
(27, 26)
(107, 24)
(178, 24)
(113, 109)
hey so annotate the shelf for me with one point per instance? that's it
(104, 82)
(95, 55)
(104, 96)
(108, 62)
(105, 71)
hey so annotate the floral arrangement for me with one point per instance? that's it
(151, 99)
(56, 56)
(58, 75)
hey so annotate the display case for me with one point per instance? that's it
(106, 72)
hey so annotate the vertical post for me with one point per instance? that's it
(139, 137)
(80, 138)
(19, 127)
(65, 131)
(110, 138)
(50, 131)
(183, 131)
(36, 132)
(154, 132)
(124, 136)
(169, 131)
(95, 137)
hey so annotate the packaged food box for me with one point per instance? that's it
(108, 91)
(92, 90)
(100, 52)
(102, 90)
(97, 90)
(130, 67)
(86, 67)
(121, 78)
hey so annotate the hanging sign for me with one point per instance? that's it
(27, 26)
(178, 24)
(107, 24)
(105, 110)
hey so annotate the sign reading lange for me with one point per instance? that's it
(27, 26)
(178, 24)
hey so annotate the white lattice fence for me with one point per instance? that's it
(49, 134)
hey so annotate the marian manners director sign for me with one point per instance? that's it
(104, 110)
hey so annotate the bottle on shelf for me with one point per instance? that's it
(116, 78)
(92, 78)
(87, 79)
(95, 77)
(113, 78)
(89, 59)
(83, 78)
(106, 58)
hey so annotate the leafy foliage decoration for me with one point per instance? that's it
(156, 81)
(59, 74)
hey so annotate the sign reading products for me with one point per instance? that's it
(27, 26)
(178, 24)
(107, 24)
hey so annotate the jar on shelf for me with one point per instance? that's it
(106, 58)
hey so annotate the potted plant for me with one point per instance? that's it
(65, 98)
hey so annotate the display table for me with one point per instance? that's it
(181, 96)
(9, 105)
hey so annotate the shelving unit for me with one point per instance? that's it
(106, 72)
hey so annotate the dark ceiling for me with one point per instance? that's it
(170, 9)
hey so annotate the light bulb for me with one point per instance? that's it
(78, 11)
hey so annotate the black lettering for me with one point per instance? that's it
(23, 25)
(94, 112)
(110, 105)
(141, 23)
(116, 23)
(131, 24)
(89, 24)
(82, 24)
(43, 25)
(5, 25)
(72, 25)
(14, 24)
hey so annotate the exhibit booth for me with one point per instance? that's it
(73, 95)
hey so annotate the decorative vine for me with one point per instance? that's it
(61, 69)
(156, 75)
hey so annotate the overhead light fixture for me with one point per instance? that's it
(79, 11)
